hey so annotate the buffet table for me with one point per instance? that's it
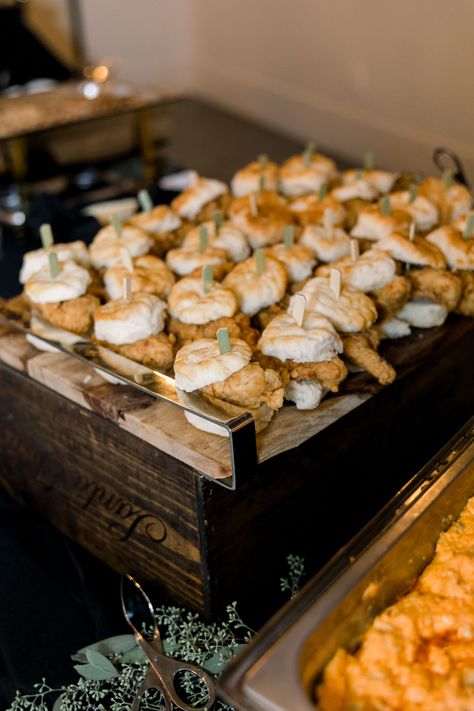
(116, 471)
(67, 104)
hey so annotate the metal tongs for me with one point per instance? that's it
(163, 671)
(446, 159)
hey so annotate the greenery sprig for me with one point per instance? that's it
(112, 670)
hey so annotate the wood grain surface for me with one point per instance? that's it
(141, 509)
(164, 425)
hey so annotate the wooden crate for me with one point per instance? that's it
(81, 459)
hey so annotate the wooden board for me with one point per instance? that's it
(144, 511)
(164, 426)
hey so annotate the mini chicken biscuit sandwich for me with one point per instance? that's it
(297, 259)
(106, 247)
(38, 258)
(349, 311)
(250, 178)
(221, 371)
(315, 209)
(373, 269)
(220, 235)
(199, 307)
(133, 327)
(58, 291)
(306, 173)
(452, 199)
(257, 282)
(262, 217)
(327, 243)
(147, 274)
(201, 200)
(304, 349)
(162, 224)
(377, 222)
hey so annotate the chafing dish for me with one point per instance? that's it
(279, 670)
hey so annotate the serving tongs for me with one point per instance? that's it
(164, 671)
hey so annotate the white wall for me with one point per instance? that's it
(151, 39)
(394, 77)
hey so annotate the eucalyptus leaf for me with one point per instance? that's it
(93, 673)
(101, 662)
(58, 704)
(121, 644)
(134, 656)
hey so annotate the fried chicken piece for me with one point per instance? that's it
(76, 315)
(264, 316)
(361, 349)
(392, 297)
(96, 286)
(330, 373)
(465, 306)
(19, 305)
(238, 327)
(438, 285)
(153, 352)
(279, 366)
(353, 208)
(164, 241)
(250, 387)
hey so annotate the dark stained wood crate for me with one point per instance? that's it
(142, 510)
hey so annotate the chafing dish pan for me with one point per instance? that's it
(279, 669)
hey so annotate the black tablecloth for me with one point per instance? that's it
(54, 598)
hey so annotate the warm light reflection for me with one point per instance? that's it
(100, 73)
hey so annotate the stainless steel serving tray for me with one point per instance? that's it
(279, 669)
(241, 429)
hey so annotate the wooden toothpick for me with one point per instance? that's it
(385, 207)
(289, 236)
(323, 191)
(223, 341)
(261, 183)
(260, 260)
(46, 234)
(117, 225)
(145, 201)
(203, 238)
(360, 174)
(335, 282)
(369, 160)
(298, 308)
(53, 264)
(207, 278)
(262, 161)
(127, 289)
(413, 193)
(126, 259)
(412, 231)
(469, 226)
(193, 178)
(355, 251)
(253, 204)
(217, 219)
(309, 153)
(327, 222)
